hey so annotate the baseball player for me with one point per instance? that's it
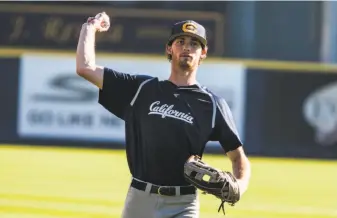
(166, 123)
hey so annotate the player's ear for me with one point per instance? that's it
(169, 49)
(204, 52)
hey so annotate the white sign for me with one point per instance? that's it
(55, 102)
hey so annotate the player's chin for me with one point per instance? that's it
(185, 65)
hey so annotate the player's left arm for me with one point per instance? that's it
(241, 167)
(226, 133)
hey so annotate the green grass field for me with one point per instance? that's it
(38, 182)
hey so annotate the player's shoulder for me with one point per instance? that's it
(143, 79)
(219, 100)
(214, 95)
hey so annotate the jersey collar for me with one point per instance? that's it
(191, 87)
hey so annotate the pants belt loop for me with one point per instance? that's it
(148, 187)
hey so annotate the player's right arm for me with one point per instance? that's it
(85, 55)
(116, 89)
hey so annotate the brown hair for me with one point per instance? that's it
(169, 56)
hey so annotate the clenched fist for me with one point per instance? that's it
(101, 22)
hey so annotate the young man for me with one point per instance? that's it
(166, 121)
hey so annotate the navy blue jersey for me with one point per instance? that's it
(165, 123)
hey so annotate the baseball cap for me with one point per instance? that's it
(188, 28)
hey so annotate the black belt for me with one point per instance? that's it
(163, 190)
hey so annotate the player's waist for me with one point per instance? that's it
(162, 190)
(161, 175)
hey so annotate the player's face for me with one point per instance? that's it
(186, 52)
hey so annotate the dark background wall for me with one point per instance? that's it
(274, 30)
(258, 30)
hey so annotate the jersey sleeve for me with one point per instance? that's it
(225, 131)
(118, 90)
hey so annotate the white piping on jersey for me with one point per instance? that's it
(213, 102)
(185, 88)
(139, 88)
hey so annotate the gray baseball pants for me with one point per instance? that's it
(143, 204)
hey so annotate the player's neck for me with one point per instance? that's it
(183, 77)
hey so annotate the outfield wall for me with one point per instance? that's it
(291, 113)
(287, 111)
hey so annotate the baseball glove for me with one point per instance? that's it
(221, 184)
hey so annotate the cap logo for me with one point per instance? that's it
(189, 27)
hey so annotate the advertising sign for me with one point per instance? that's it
(132, 30)
(55, 102)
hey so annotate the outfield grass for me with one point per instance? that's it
(38, 182)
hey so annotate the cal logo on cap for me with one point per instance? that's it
(189, 27)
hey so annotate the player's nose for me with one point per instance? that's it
(186, 48)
